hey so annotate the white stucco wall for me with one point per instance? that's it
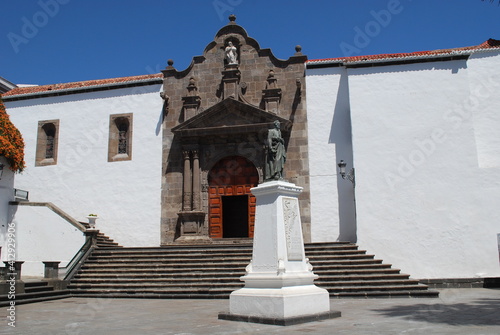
(425, 140)
(329, 128)
(42, 235)
(125, 194)
(6, 195)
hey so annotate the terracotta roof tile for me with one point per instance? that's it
(80, 84)
(489, 44)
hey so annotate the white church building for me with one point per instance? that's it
(418, 132)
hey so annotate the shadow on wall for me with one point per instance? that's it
(340, 134)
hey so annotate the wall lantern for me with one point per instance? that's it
(349, 175)
(1, 170)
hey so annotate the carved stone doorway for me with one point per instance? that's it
(231, 204)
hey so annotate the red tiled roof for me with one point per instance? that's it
(80, 84)
(489, 44)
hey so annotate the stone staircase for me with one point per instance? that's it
(35, 291)
(213, 271)
(103, 241)
(42, 290)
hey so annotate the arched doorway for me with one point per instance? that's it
(231, 204)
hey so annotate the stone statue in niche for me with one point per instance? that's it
(275, 153)
(231, 54)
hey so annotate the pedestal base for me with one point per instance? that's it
(279, 286)
(282, 302)
(280, 321)
(284, 306)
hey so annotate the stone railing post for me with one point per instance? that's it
(51, 270)
(12, 282)
(92, 234)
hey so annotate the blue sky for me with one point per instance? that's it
(57, 41)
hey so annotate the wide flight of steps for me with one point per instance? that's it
(213, 271)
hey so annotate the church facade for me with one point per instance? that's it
(218, 113)
(171, 157)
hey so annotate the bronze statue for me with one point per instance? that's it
(275, 153)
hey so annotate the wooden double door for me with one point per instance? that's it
(231, 204)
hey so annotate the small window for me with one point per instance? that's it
(46, 147)
(50, 135)
(120, 137)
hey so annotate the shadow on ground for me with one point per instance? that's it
(481, 312)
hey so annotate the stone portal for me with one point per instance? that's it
(221, 106)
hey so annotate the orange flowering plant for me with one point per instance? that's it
(11, 142)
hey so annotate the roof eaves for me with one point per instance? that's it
(80, 89)
(394, 58)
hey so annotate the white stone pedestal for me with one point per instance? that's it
(279, 286)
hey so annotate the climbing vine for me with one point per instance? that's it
(11, 142)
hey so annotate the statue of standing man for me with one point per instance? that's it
(275, 153)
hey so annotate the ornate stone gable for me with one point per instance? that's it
(222, 106)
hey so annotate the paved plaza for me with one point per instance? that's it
(456, 311)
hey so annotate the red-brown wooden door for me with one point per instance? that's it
(232, 176)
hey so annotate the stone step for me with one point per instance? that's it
(168, 295)
(37, 286)
(354, 271)
(134, 252)
(319, 260)
(157, 266)
(366, 288)
(154, 266)
(224, 292)
(38, 289)
(26, 298)
(172, 280)
(367, 282)
(159, 271)
(180, 268)
(140, 286)
(386, 294)
(214, 272)
(212, 294)
(188, 280)
(219, 256)
(338, 279)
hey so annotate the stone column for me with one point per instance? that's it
(196, 181)
(186, 203)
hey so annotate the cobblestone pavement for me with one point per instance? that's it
(456, 311)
